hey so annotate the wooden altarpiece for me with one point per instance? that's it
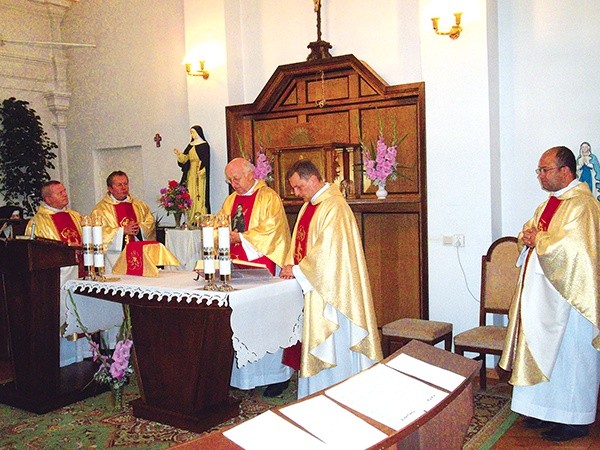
(322, 110)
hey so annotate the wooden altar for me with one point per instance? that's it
(322, 110)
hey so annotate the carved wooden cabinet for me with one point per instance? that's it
(323, 110)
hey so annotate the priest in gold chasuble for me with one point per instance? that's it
(552, 341)
(339, 336)
(260, 233)
(124, 218)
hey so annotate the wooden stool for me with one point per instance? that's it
(401, 331)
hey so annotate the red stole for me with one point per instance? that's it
(68, 233)
(292, 355)
(135, 257)
(67, 230)
(237, 250)
(548, 213)
(125, 213)
(544, 222)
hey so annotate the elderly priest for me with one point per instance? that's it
(261, 235)
(339, 336)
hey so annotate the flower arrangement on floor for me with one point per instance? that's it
(379, 160)
(115, 369)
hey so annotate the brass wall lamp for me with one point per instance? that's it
(197, 70)
(454, 32)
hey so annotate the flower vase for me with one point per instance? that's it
(381, 192)
(177, 216)
(117, 397)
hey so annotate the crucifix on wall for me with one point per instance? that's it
(318, 49)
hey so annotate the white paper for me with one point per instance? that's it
(269, 431)
(427, 372)
(387, 396)
(334, 425)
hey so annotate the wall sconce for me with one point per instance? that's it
(454, 32)
(197, 70)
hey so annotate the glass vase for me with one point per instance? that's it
(177, 216)
(117, 397)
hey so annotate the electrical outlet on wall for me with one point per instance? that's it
(458, 240)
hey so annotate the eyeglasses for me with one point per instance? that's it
(544, 170)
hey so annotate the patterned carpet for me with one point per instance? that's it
(94, 424)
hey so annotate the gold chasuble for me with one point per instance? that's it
(334, 264)
(566, 247)
(267, 228)
(115, 216)
(65, 227)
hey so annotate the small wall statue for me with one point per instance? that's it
(195, 165)
(588, 168)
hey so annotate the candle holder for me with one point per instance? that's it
(222, 222)
(207, 222)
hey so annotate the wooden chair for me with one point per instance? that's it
(499, 276)
(402, 331)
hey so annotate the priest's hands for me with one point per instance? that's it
(529, 237)
(286, 272)
(234, 237)
(132, 229)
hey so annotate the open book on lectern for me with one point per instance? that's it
(240, 269)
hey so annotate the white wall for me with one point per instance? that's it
(130, 87)
(521, 78)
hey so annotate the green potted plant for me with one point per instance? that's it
(25, 154)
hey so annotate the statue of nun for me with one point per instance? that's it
(195, 165)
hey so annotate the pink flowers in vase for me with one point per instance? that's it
(263, 169)
(175, 198)
(381, 162)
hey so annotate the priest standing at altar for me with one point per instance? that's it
(552, 345)
(124, 217)
(339, 336)
(261, 235)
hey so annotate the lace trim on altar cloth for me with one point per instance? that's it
(245, 355)
(153, 292)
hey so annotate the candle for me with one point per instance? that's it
(86, 236)
(208, 245)
(98, 250)
(224, 259)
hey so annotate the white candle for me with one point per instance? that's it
(208, 237)
(98, 250)
(224, 259)
(88, 254)
(86, 234)
(208, 243)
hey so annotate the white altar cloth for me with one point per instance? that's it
(186, 245)
(266, 312)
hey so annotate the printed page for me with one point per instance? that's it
(427, 372)
(387, 396)
(334, 425)
(269, 431)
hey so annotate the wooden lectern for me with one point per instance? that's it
(29, 321)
